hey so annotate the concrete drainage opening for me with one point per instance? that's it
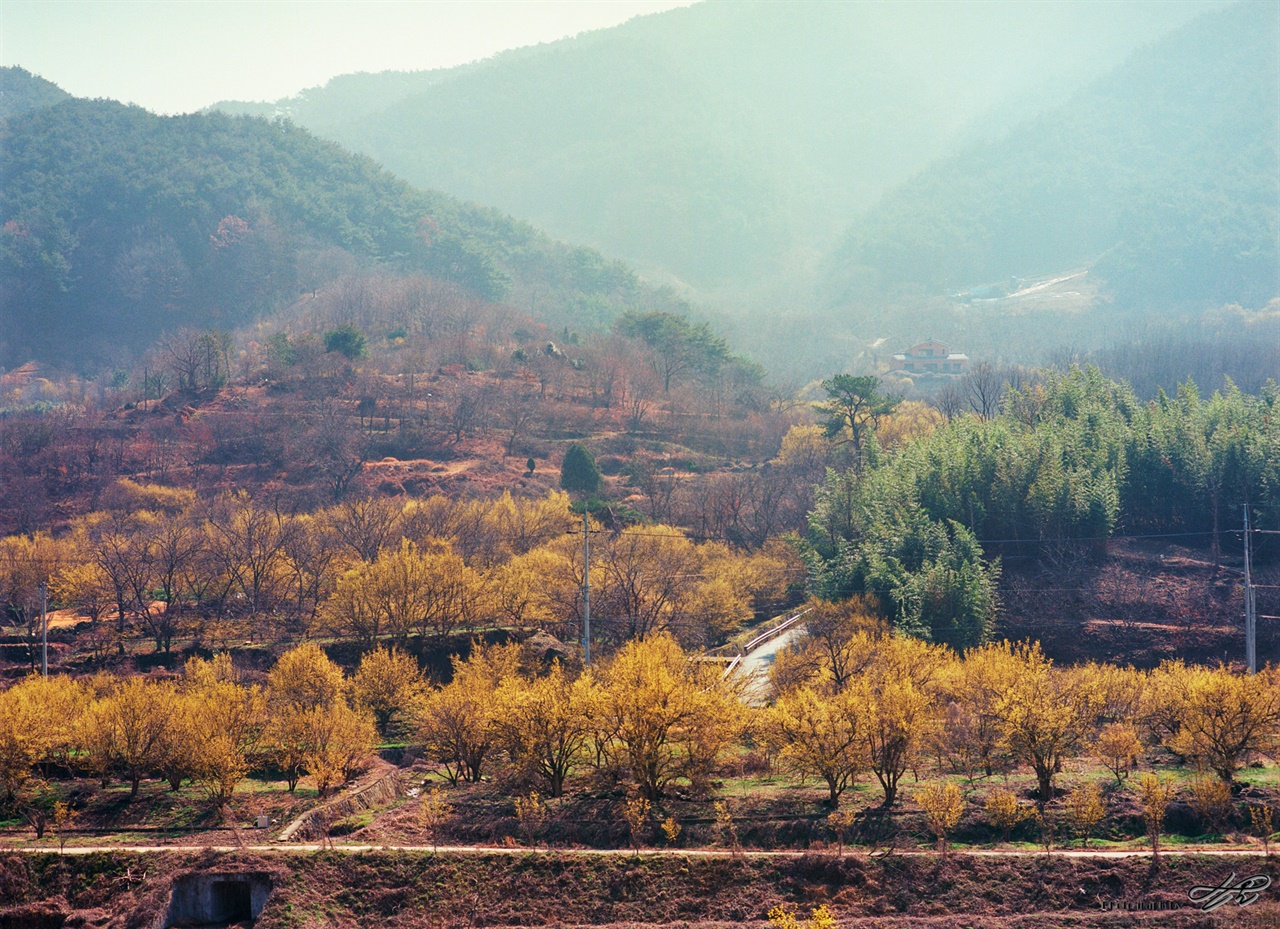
(217, 899)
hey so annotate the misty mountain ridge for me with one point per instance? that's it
(719, 144)
(1160, 180)
(1147, 202)
(117, 225)
(819, 183)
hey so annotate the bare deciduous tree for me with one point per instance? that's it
(985, 386)
(465, 410)
(517, 410)
(641, 394)
(951, 399)
(366, 524)
(336, 448)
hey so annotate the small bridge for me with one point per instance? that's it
(750, 659)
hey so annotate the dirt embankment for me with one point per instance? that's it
(421, 889)
(1146, 601)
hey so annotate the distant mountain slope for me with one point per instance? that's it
(1167, 173)
(347, 97)
(722, 142)
(116, 224)
(21, 91)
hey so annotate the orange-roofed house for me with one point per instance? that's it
(931, 357)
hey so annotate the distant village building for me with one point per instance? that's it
(931, 358)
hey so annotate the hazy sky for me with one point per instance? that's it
(175, 56)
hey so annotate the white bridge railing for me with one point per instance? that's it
(765, 636)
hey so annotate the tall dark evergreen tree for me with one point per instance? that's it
(578, 471)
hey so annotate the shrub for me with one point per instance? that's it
(943, 805)
(1085, 809)
(1005, 812)
(1211, 799)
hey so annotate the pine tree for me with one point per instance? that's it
(578, 472)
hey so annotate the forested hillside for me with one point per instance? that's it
(117, 225)
(723, 142)
(1161, 178)
(1072, 460)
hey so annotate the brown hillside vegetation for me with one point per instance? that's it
(308, 435)
(416, 889)
(326, 531)
(1148, 601)
(675, 442)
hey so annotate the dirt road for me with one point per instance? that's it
(304, 848)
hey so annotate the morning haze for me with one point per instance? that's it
(180, 57)
(789, 465)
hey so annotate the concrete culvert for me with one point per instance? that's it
(217, 899)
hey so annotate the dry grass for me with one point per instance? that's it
(421, 890)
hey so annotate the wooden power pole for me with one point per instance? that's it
(586, 588)
(1250, 602)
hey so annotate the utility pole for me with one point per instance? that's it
(586, 589)
(44, 630)
(1250, 603)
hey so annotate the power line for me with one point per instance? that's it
(698, 537)
(1108, 538)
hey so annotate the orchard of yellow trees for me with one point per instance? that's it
(852, 703)
(207, 728)
(158, 565)
(897, 707)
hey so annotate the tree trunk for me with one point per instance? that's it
(1044, 775)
